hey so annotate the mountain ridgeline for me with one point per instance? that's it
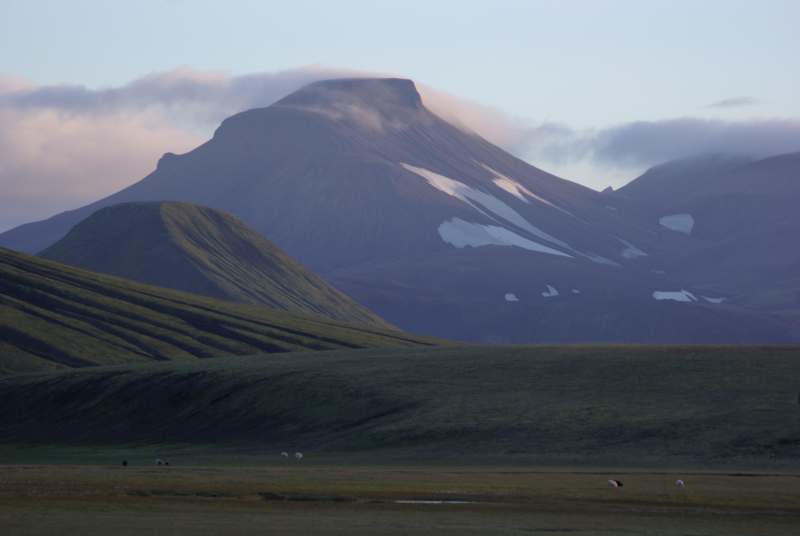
(440, 232)
(204, 251)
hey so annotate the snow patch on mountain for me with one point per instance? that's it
(551, 292)
(674, 295)
(471, 196)
(511, 297)
(474, 234)
(599, 259)
(460, 233)
(515, 189)
(519, 191)
(631, 251)
(680, 223)
(713, 300)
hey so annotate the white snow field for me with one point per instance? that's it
(680, 223)
(551, 292)
(674, 295)
(631, 251)
(490, 203)
(460, 233)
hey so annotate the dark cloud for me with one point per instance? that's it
(658, 141)
(646, 143)
(733, 102)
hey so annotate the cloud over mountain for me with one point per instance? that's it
(52, 159)
(626, 150)
(645, 143)
(62, 146)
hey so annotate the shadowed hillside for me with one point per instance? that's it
(600, 405)
(203, 251)
(743, 214)
(54, 316)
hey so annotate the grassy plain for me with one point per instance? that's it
(641, 406)
(324, 499)
(523, 438)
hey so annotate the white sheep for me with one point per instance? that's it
(614, 483)
(298, 455)
(680, 483)
(285, 454)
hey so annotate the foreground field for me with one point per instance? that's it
(493, 440)
(296, 499)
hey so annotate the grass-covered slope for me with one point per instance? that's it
(599, 405)
(204, 251)
(55, 316)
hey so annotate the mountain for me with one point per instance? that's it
(721, 194)
(743, 217)
(666, 185)
(345, 172)
(640, 405)
(55, 316)
(203, 251)
(433, 227)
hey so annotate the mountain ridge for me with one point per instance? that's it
(204, 251)
(57, 316)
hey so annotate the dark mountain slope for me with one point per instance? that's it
(745, 219)
(204, 251)
(724, 194)
(676, 181)
(745, 224)
(54, 316)
(515, 297)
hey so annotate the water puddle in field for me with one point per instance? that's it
(429, 501)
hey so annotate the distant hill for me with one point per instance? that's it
(723, 194)
(623, 406)
(669, 184)
(744, 219)
(55, 316)
(203, 251)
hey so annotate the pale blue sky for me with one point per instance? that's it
(586, 63)
(593, 90)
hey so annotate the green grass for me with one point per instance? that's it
(634, 405)
(55, 316)
(204, 251)
(296, 499)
